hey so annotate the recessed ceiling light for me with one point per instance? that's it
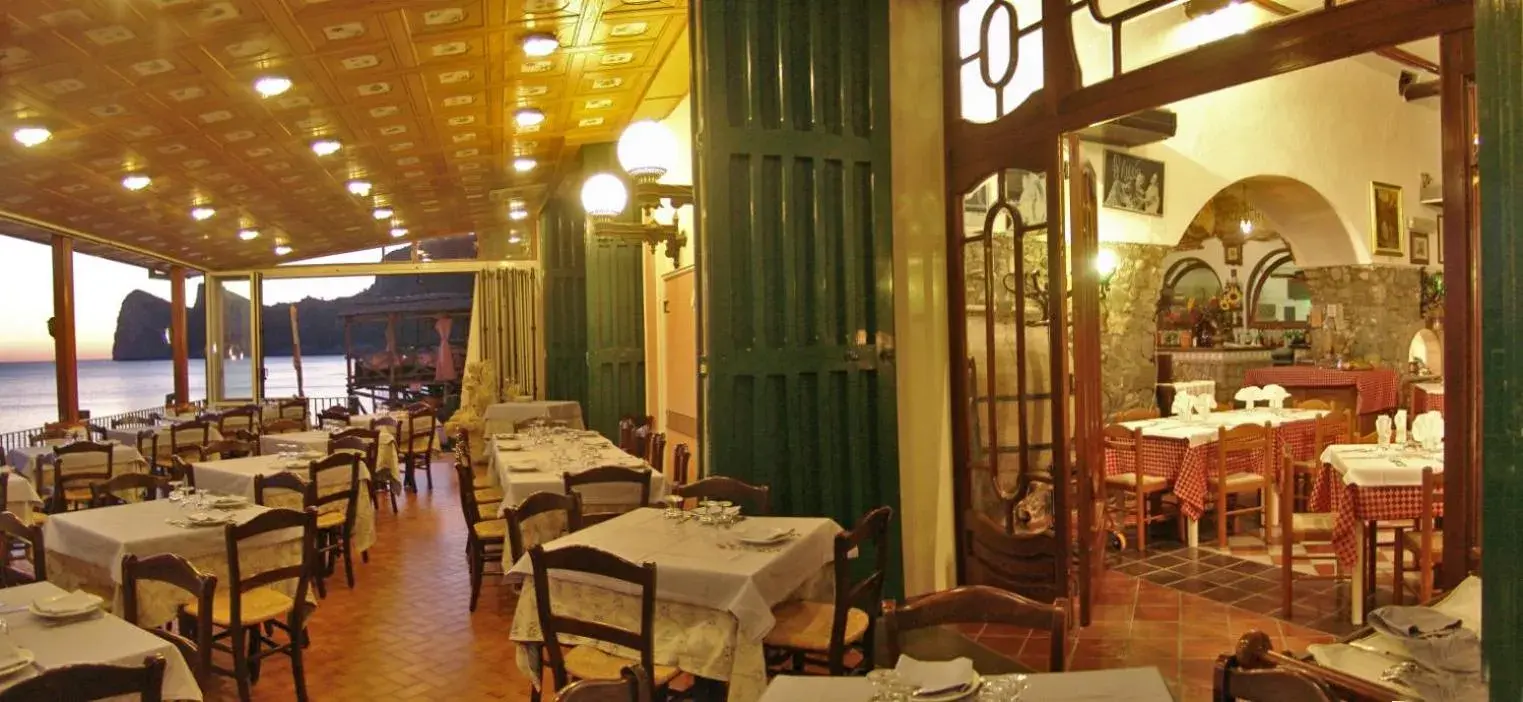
(201, 214)
(270, 86)
(325, 147)
(136, 181)
(528, 116)
(517, 215)
(248, 234)
(540, 44)
(514, 238)
(31, 136)
(359, 187)
(381, 213)
(398, 232)
(282, 250)
(524, 164)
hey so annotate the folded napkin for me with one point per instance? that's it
(1203, 404)
(75, 601)
(10, 654)
(1181, 406)
(935, 676)
(1401, 427)
(1434, 639)
(502, 436)
(1275, 395)
(1383, 428)
(1249, 395)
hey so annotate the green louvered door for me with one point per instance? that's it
(615, 333)
(795, 252)
(562, 255)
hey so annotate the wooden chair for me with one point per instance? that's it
(490, 498)
(588, 662)
(805, 628)
(633, 434)
(108, 493)
(1135, 414)
(367, 443)
(189, 435)
(1331, 428)
(682, 462)
(245, 418)
(1426, 543)
(38, 516)
(637, 478)
(49, 436)
(223, 449)
(335, 416)
(294, 408)
(1317, 405)
(1137, 485)
(1242, 465)
(29, 536)
(1025, 563)
(90, 681)
(541, 517)
(134, 420)
(655, 451)
(756, 498)
(1298, 527)
(978, 604)
(1256, 673)
(484, 538)
(248, 610)
(72, 481)
(284, 480)
(333, 488)
(181, 470)
(384, 423)
(147, 443)
(633, 685)
(174, 570)
(283, 426)
(419, 449)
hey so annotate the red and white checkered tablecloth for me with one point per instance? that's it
(1377, 387)
(1186, 466)
(1424, 401)
(1353, 505)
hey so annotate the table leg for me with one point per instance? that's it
(1271, 509)
(1357, 585)
(1192, 533)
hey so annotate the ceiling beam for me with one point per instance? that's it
(340, 270)
(49, 227)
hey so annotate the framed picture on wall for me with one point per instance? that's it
(1386, 235)
(1420, 252)
(1133, 184)
(1232, 253)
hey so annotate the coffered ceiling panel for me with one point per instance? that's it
(421, 94)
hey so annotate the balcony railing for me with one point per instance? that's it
(23, 438)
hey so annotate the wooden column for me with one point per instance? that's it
(1499, 87)
(178, 341)
(1086, 365)
(65, 356)
(1462, 319)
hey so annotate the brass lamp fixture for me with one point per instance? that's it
(645, 150)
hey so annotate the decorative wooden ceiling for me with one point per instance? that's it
(420, 93)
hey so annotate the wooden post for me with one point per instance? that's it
(1462, 320)
(178, 341)
(65, 355)
(1086, 360)
(296, 350)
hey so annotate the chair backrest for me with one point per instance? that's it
(279, 481)
(979, 604)
(420, 433)
(108, 493)
(1316, 405)
(1134, 414)
(1025, 563)
(76, 464)
(1265, 685)
(133, 420)
(633, 685)
(90, 681)
(586, 559)
(181, 469)
(226, 448)
(367, 445)
(756, 499)
(1332, 428)
(382, 422)
(293, 408)
(540, 518)
(270, 521)
(284, 426)
(245, 417)
(189, 433)
(334, 478)
(465, 481)
(148, 444)
(655, 451)
(1243, 440)
(12, 529)
(174, 570)
(682, 462)
(639, 478)
(864, 593)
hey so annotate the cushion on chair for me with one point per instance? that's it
(1413, 542)
(492, 529)
(1129, 480)
(488, 494)
(330, 520)
(39, 518)
(589, 663)
(78, 494)
(1312, 526)
(259, 604)
(1239, 481)
(806, 626)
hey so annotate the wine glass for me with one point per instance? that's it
(673, 506)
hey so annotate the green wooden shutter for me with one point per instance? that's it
(562, 254)
(795, 252)
(615, 310)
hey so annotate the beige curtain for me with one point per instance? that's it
(504, 329)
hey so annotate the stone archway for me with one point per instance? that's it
(1284, 207)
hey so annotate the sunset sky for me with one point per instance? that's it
(99, 288)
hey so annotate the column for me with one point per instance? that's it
(562, 251)
(65, 357)
(178, 340)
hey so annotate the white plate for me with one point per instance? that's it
(94, 604)
(523, 468)
(955, 694)
(205, 518)
(765, 538)
(24, 660)
(231, 501)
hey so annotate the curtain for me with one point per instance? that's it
(504, 328)
(444, 367)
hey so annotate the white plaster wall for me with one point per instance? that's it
(680, 123)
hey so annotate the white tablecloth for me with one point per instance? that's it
(317, 440)
(1463, 603)
(1138, 684)
(1430, 388)
(501, 417)
(124, 459)
(704, 565)
(20, 495)
(235, 476)
(532, 469)
(105, 639)
(1200, 431)
(1368, 465)
(128, 435)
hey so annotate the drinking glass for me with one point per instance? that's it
(887, 687)
(673, 507)
(1004, 687)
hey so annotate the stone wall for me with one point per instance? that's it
(1379, 313)
(1129, 327)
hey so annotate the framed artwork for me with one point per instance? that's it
(1386, 235)
(1133, 184)
(1439, 239)
(1232, 253)
(1420, 251)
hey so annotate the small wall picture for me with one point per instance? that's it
(1232, 253)
(1133, 184)
(1386, 235)
(1420, 249)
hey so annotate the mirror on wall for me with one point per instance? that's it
(1278, 296)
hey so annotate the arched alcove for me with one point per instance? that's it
(1301, 216)
(1428, 347)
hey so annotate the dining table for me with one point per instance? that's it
(93, 639)
(85, 549)
(235, 476)
(21, 496)
(523, 464)
(1365, 483)
(386, 459)
(1427, 397)
(1183, 449)
(35, 463)
(502, 417)
(714, 594)
(1132, 684)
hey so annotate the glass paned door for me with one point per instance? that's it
(232, 340)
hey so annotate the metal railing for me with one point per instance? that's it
(21, 439)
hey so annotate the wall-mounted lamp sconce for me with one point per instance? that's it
(645, 150)
(1106, 264)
